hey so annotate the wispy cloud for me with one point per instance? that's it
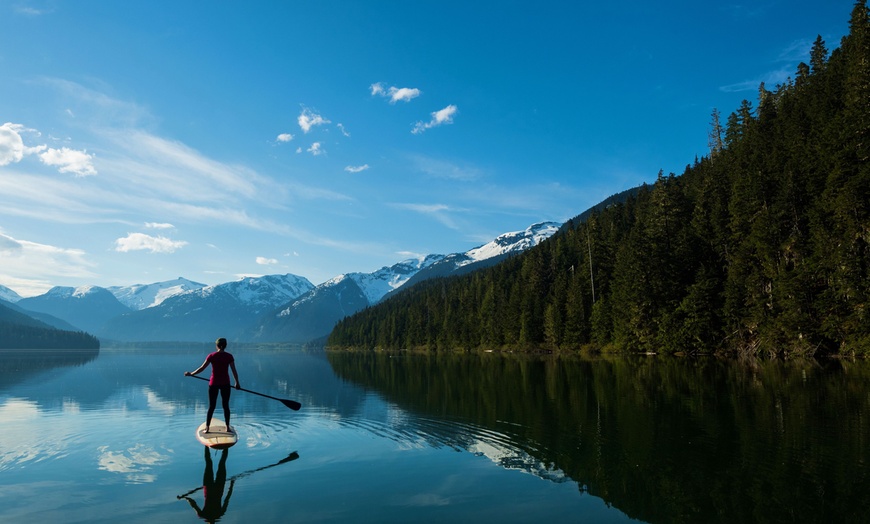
(439, 212)
(13, 150)
(443, 169)
(395, 94)
(316, 149)
(356, 169)
(308, 119)
(31, 11)
(770, 79)
(158, 225)
(143, 242)
(439, 118)
(263, 261)
(788, 58)
(24, 257)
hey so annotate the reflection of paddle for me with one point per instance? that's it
(288, 458)
(292, 404)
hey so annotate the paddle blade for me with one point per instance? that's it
(292, 404)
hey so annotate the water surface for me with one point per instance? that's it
(108, 436)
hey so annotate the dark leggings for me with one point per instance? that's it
(212, 402)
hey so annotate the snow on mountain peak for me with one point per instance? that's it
(376, 285)
(141, 296)
(9, 295)
(82, 291)
(513, 242)
(269, 290)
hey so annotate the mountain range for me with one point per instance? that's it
(269, 309)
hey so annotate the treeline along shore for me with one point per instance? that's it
(759, 248)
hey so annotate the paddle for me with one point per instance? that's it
(292, 404)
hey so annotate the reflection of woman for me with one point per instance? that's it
(213, 490)
(221, 362)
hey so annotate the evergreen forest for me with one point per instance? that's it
(20, 331)
(758, 248)
(18, 336)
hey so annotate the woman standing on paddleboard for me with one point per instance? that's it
(221, 362)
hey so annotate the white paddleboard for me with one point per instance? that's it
(217, 437)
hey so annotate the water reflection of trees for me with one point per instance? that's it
(21, 364)
(664, 440)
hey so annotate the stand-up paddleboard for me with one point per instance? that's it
(217, 437)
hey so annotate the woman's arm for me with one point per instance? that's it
(235, 375)
(200, 368)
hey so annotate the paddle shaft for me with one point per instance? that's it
(292, 404)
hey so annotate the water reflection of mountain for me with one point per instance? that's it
(21, 364)
(662, 440)
(137, 376)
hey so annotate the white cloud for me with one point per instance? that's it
(12, 148)
(11, 144)
(356, 169)
(439, 118)
(315, 149)
(341, 128)
(158, 225)
(404, 94)
(285, 137)
(69, 160)
(143, 242)
(308, 119)
(263, 261)
(395, 94)
(23, 257)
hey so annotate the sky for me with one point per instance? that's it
(145, 141)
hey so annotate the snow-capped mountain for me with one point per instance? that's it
(514, 242)
(223, 310)
(488, 254)
(375, 286)
(9, 295)
(273, 308)
(140, 296)
(314, 314)
(85, 307)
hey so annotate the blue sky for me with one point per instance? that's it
(143, 141)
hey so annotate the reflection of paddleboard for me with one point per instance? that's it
(217, 437)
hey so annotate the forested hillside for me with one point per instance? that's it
(761, 247)
(20, 331)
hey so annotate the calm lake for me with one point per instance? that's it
(108, 436)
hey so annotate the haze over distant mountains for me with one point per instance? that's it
(273, 308)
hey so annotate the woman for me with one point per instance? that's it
(221, 362)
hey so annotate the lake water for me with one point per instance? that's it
(108, 436)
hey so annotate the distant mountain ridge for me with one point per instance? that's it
(9, 295)
(313, 315)
(273, 308)
(141, 296)
(203, 314)
(85, 307)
